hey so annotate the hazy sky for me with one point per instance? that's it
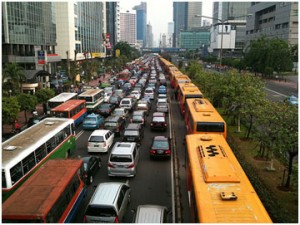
(160, 13)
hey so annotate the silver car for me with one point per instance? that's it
(162, 105)
(123, 159)
(108, 203)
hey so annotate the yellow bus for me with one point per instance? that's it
(180, 79)
(185, 91)
(218, 188)
(202, 117)
(173, 74)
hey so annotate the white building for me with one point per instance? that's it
(128, 28)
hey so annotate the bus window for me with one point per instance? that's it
(28, 163)
(210, 127)
(40, 153)
(16, 173)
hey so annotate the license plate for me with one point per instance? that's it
(96, 146)
(130, 139)
(160, 151)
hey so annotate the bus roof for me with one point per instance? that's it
(39, 193)
(62, 97)
(189, 89)
(223, 192)
(22, 144)
(68, 105)
(90, 92)
(202, 110)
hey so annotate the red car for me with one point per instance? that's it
(160, 147)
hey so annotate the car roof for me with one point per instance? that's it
(150, 214)
(160, 138)
(134, 126)
(158, 114)
(105, 194)
(112, 118)
(99, 132)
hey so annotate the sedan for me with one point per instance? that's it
(162, 105)
(158, 123)
(136, 94)
(160, 147)
(91, 164)
(115, 100)
(138, 119)
(162, 89)
(122, 112)
(92, 121)
(106, 109)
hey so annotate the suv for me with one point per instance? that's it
(100, 141)
(151, 214)
(123, 159)
(133, 132)
(108, 203)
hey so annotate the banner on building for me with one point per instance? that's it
(41, 57)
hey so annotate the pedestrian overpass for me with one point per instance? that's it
(162, 50)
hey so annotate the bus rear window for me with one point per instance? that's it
(210, 127)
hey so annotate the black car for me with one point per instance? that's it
(115, 123)
(36, 119)
(105, 109)
(134, 132)
(91, 165)
(160, 147)
(158, 123)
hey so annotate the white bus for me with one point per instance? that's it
(58, 99)
(93, 98)
(25, 152)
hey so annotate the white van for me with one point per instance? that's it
(100, 141)
(123, 159)
(108, 203)
(151, 214)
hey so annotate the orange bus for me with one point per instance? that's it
(185, 91)
(219, 191)
(51, 195)
(181, 79)
(174, 74)
(201, 117)
(73, 109)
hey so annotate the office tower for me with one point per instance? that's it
(274, 20)
(128, 28)
(141, 23)
(113, 22)
(149, 36)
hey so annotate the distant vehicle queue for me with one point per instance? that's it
(211, 162)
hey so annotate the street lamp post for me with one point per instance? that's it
(222, 22)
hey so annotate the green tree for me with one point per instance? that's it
(10, 110)
(15, 74)
(43, 95)
(273, 53)
(126, 50)
(27, 103)
(193, 69)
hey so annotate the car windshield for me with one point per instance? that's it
(126, 102)
(137, 118)
(162, 104)
(118, 112)
(105, 106)
(160, 144)
(95, 210)
(158, 119)
(120, 158)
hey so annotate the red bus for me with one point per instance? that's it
(51, 195)
(73, 109)
(185, 91)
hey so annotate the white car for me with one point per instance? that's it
(136, 94)
(120, 112)
(149, 93)
(107, 96)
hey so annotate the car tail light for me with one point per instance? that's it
(116, 220)
(168, 152)
(84, 218)
(165, 124)
(152, 151)
(130, 120)
(130, 166)
(151, 124)
(110, 165)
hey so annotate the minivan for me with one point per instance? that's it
(126, 103)
(151, 214)
(115, 123)
(100, 140)
(123, 159)
(108, 203)
(149, 93)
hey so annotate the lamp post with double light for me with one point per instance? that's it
(222, 22)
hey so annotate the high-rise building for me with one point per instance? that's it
(184, 18)
(112, 24)
(80, 27)
(274, 20)
(141, 23)
(195, 39)
(29, 31)
(149, 36)
(170, 34)
(128, 28)
(229, 28)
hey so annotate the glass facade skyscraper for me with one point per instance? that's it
(141, 22)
